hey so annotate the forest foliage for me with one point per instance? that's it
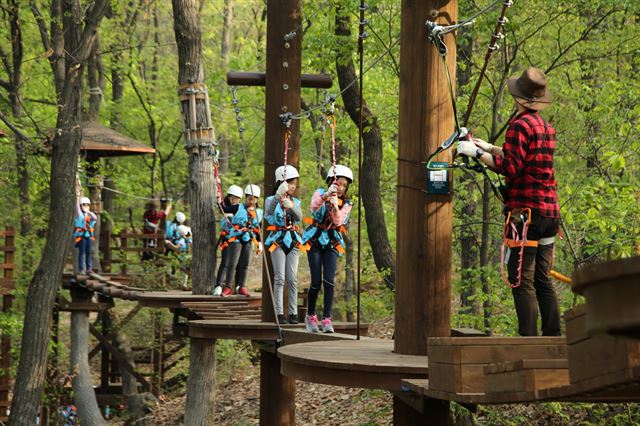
(589, 50)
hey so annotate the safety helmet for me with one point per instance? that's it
(235, 190)
(340, 171)
(85, 200)
(286, 172)
(180, 217)
(252, 190)
(184, 231)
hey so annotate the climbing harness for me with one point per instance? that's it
(513, 239)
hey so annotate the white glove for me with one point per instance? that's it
(334, 202)
(467, 148)
(482, 144)
(287, 203)
(259, 248)
(282, 190)
(333, 189)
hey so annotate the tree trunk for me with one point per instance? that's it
(372, 156)
(84, 395)
(64, 163)
(199, 137)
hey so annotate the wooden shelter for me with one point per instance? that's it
(99, 141)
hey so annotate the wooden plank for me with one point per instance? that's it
(8, 233)
(8, 249)
(7, 266)
(491, 355)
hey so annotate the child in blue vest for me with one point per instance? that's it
(246, 228)
(171, 228)
(84, 225)
(324, 239)
(283, 214)
(228, 243)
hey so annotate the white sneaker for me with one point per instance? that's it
(217, 291)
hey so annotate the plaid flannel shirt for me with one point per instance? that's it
(527, 164)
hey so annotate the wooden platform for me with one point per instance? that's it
(366, 363)
(254, 329)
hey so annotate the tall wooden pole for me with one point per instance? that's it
(423, 293)
(284, 45)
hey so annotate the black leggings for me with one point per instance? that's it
(536, 287)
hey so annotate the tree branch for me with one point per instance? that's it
(42, 25)
(15, 129)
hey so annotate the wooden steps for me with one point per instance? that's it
(457, 364)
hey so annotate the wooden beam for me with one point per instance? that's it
(237, 78)
(119, 356)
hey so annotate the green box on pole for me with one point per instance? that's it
(438, 181)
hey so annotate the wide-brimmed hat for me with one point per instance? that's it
(530, 89)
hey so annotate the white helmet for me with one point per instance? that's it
(180, 217)
(340, 171)
(184, 231)
(252, 190)
(85, 200)
(235, 190)
(286, 172)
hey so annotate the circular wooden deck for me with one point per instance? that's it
(254, 329)
(365, 363)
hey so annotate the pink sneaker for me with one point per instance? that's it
(311, 323)
(327, 325)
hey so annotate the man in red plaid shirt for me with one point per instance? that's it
(526, 161)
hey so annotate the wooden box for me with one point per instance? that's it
(456, 364)
(527, 375)
(598, 355)
(612, 291)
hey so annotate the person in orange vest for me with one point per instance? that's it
(324, 240)
(84, 223)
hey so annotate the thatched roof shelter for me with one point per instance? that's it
(101, 141)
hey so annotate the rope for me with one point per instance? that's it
(332, 125)
(361, 36)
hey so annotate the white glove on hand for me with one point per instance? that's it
(334, 202)
(333, 189)
(259, 248)
(467, 148)
(287, 203)
(282, 190)
(482, 144)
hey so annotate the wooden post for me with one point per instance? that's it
(277, 393)
(423, 290)
(7, 300)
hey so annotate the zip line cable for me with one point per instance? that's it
(361, 36)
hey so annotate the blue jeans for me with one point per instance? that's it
(322, 263)
(84, 254)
